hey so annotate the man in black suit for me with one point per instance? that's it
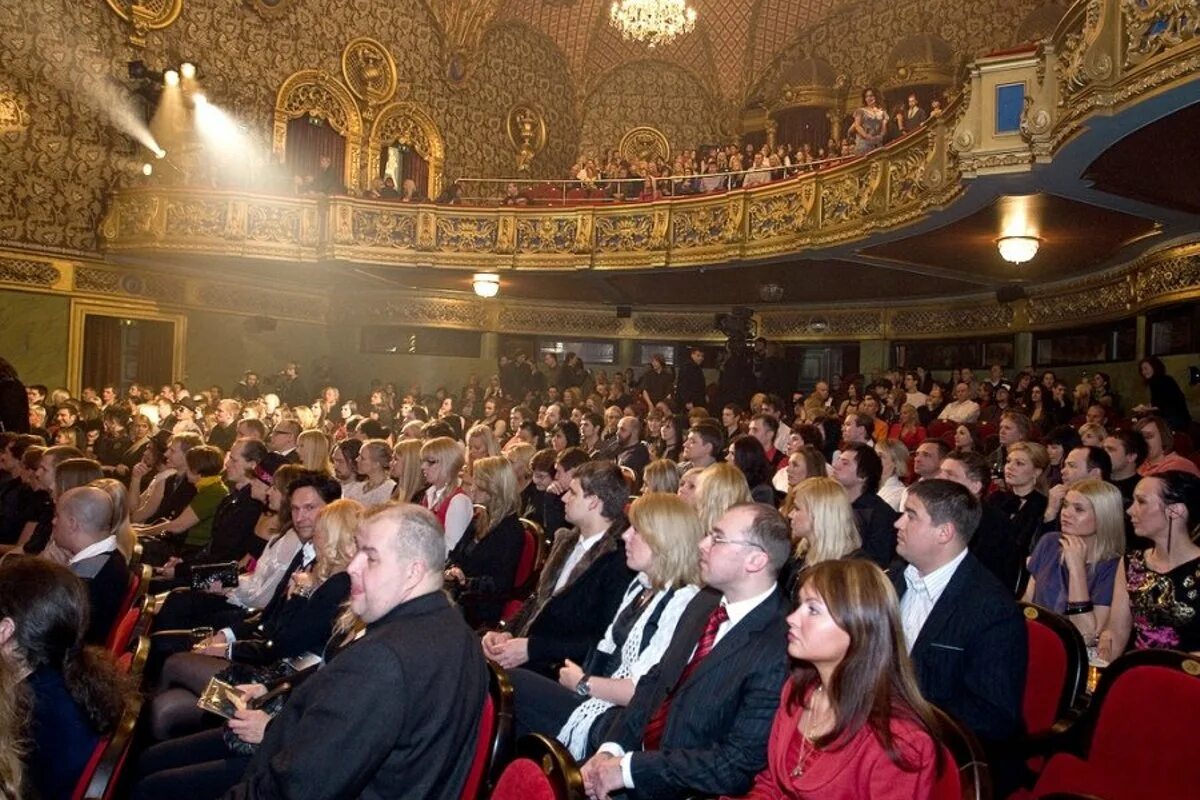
(964, 630)
(393, 714)
(858, 469)
(582, 583)
(689, 382)
(83, 529)
(698, 722)
(992, 543)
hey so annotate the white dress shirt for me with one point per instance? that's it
(960, 412)
(922, 595)
(105, 545)
(581, 548)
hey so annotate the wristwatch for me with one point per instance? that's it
(584, 687)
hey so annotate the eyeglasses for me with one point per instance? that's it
(720, 538)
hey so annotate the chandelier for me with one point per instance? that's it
(653, 22)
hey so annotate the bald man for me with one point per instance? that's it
(83, 528)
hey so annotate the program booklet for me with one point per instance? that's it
(221, 699)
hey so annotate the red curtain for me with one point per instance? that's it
(155, 350)
(309, 138)
(101, 350)
(411, 166)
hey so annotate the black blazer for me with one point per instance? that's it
(972, 652)
(877, 527)
(107, 580)
(296, 625)
(395, 714)
(715, 740)
(490, 566)
(567, 624)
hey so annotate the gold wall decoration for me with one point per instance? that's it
(462, 24)
(644, 144)
(408, 123)
(370, 71)
(144, 16)
(319, 94)
(13, 116)
(526, 129)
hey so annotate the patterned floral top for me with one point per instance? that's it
(1165, 606)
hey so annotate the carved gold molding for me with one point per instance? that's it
(144, 16)
(314, 92)
(82, 309)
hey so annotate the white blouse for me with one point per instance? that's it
(357, 490)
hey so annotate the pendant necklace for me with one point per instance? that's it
(806, 746)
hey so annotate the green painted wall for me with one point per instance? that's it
(220, 347)
(33, 335)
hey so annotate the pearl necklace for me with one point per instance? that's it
(807, 748)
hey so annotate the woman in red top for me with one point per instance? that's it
(852, 723)
(909, 429)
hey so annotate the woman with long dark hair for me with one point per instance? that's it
(72, 693)
(852, 722)
(747, 454)
(1166, 398)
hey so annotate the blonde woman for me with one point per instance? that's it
(405, 469)
(441, 462)
(1024, 500)
(333, 540)
(687, 485)
(482, 567)
(481, 443)
(894, 456)
(823, 526)
(1076, 572)
(661, 475)
(521, 455)
(313, 448)
(376, 487)
(720, 486)
(662, 545)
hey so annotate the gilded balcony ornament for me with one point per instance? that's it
(196, 219)
(525, 125)
(467, 234)
(624, 232)
(644, 144)
(1157, 26)
(785, 214)
(145, 16)
(547, 234)
(379, 227)
(370, 72)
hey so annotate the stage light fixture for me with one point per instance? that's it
(171, 78)
(160, 153)
(188, 70)
(147, 169)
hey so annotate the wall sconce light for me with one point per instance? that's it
(486, 284)
(1018, 249)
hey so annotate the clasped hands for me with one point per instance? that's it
(505, 650)
(602, 776)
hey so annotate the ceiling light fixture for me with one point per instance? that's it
(653, 22)
(1018, 249)
(486, 284)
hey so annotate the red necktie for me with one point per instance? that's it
(658, 720)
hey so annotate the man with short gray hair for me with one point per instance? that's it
(83, 528)
(393, 713)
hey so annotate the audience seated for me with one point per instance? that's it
(993, 543)
(1024, 499)
(963, 628)
(858, 469)
(851, 721)
(392, 715)
(582, 582)
(698, 722)
(73, 692)
(442, 459)
(1160, 455)
(83, 529)
(661, 546)
(822, 528)
(482, 567)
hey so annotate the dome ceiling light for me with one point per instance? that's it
(1018, 249)
(653, 22)
(486, 284)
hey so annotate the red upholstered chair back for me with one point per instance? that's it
(103, 771)
(483, 751)
(528, 568)
(122, 633)
(964, 774)
(1153, 709)
(542, 770)
(1057, 668)
(941, 427)
(1146, 704)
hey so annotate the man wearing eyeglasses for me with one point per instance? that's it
(698, 722)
